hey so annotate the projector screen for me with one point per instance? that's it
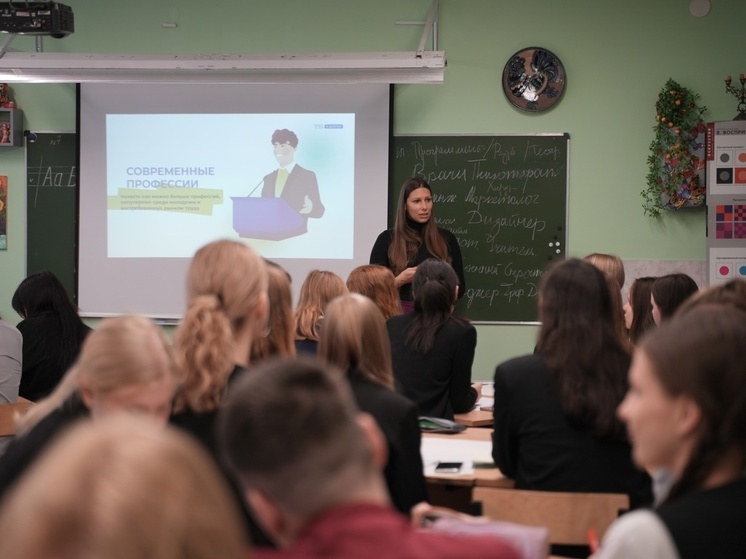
(298, 172)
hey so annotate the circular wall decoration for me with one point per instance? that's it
(534, 79)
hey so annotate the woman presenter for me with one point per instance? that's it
(414, 238)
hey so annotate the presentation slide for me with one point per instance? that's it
(299, 172)
(203, 191)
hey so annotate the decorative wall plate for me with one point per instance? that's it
(534, 79)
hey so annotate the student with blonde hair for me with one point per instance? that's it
(612, 268)
(227, 310)
(126, 364)
(279, 338)
(610, 264)
(377, 283)
(120, 488)
(318, 289)
(355, 340)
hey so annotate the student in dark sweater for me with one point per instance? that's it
(126, 364)
(354, 339)
(414, 238)
(432, 351)
(52, 333)
(227, 308)
(686, 415)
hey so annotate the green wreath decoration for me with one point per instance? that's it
(676, 162)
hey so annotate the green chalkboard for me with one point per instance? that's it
(505, 199)
(51, 190)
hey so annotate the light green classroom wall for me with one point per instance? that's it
(617, 55)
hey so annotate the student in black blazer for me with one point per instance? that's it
(556, 427)
(354, 339)
(432, 351)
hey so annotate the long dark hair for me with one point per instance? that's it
(672, 290)
(42, 293)
(406, 240)
(700, 355)
(579, 344)
(434, 289)
(642, 310)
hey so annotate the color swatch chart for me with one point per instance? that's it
(731, 166)
(730, 221)
(731, 270)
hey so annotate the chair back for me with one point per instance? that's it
(9, 413)
(567, 516)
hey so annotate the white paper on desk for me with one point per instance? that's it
(443, 449)
(485, 402)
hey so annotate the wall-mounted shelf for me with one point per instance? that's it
(12, 119)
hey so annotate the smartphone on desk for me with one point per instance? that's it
(448, 467)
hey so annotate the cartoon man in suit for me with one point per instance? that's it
(291, 182)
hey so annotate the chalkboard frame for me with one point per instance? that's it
(52, 226)
(555, 249)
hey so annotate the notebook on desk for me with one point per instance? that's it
(439, 425)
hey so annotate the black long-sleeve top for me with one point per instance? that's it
(380, 255)
(397, 418)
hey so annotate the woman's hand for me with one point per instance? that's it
(405, 277)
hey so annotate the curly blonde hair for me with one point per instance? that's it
(226, 287)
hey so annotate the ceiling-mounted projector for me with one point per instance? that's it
(36, 18)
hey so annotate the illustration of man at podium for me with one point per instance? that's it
(290, 195)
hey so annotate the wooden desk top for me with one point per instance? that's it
(483, 476)
(475, 418)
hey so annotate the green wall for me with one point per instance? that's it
(617, 55)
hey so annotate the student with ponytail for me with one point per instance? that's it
(432, 350)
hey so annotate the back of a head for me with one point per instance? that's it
(732, 293)
(41, 293)
(289, 430)
(699, 354)
(610, 265)
(580, 345)
(226, 293)
(318, 289)
(434, 287)
(121, 488)
(574, 301)
(378, 284)
(121, 352)
(354, 337)
(126, 350)
(230, 274)
(279, 339)
(670, 291)
(434, 290)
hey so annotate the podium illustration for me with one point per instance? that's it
(266, 218)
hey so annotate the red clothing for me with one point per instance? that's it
(367, 531)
